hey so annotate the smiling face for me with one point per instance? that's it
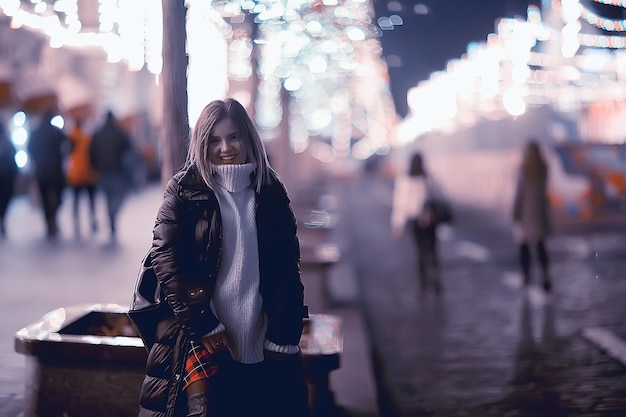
(225, 147)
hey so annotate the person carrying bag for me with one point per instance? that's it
(419, 205)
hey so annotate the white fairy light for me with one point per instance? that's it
(566, 81)
(128, 30)
(320, 51)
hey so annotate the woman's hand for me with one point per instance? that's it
(215, 343)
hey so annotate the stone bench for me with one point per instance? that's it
(88, 360)
(319, 258)
(321, 345)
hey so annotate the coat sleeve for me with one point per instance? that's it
(191, 307)
(283, 292)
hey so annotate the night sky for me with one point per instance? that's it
(432, 33)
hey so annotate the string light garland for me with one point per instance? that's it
(550, 78)
(604, 42)
(128, 30)
(325, 53)
(609, 25)
(617, 3)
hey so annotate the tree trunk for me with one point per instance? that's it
(174, 84)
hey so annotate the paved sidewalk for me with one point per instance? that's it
(486, 347)
(37, 276)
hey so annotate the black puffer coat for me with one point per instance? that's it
(186, 253)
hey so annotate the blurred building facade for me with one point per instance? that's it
(558, 75)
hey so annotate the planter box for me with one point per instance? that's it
(88, 361)
(82, 361)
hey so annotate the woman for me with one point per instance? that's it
(226, 255)
(531, 212)
(80, 175)
(410, 195)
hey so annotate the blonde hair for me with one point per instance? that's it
(198, 151)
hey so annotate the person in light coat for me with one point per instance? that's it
(531, 213)
(410, 195)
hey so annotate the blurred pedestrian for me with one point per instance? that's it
(411, 194)
(226, 233)
(108, 152)
(81, 175)
(531, 212)
(47, 148)
(8, 174)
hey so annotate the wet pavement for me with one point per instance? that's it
(487, 347)
(484, 348)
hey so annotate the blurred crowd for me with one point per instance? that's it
(71, 158)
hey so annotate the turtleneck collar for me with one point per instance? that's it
(234, 178)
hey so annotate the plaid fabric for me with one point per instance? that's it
(199, 364)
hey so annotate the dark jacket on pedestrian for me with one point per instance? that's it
(109, 146)
(8, 166)
(190, 213)
(47, 146)
(8, 174)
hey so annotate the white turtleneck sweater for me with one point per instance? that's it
(237, 302)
